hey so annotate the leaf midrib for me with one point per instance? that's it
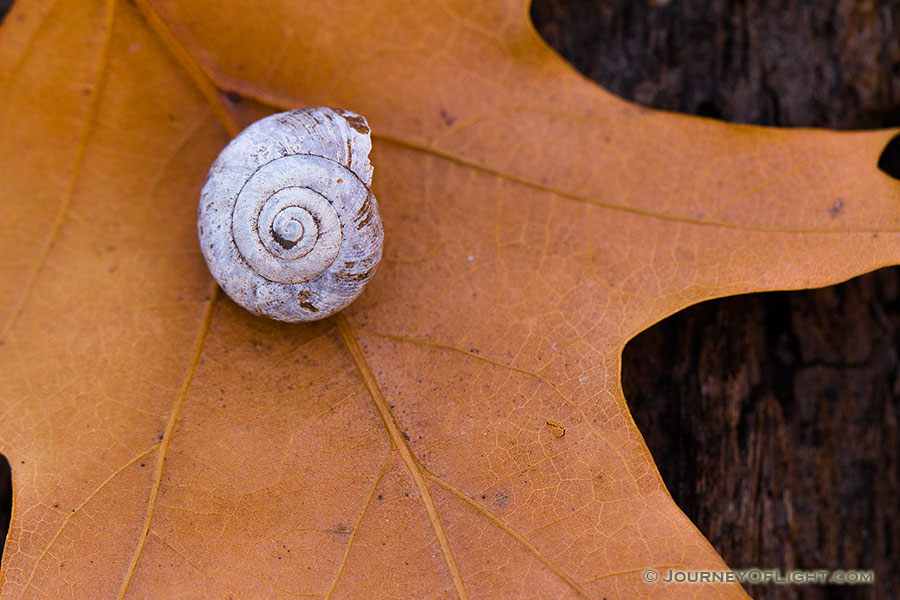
(409, 461)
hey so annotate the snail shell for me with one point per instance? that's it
(288, 225)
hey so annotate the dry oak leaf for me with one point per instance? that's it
(167, 444)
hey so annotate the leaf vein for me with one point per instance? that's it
(195, 71)
(78, 159)
(522, 540)
(412, 465)
(80, 506)
(178, 404)
(359, 519)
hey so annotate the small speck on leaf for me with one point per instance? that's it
(556, 429)
(836, 208)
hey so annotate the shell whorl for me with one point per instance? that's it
(287, 223)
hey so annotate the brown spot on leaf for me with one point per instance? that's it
(836, 208)
(556, 429)
(447, 117)
(341, 528)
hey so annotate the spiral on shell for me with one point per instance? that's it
(287, 223)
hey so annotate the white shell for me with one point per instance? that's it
(287, 223)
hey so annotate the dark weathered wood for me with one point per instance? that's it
(4, 8)
(773, 417)
(830, 63)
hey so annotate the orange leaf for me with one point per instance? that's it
(460, 431)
